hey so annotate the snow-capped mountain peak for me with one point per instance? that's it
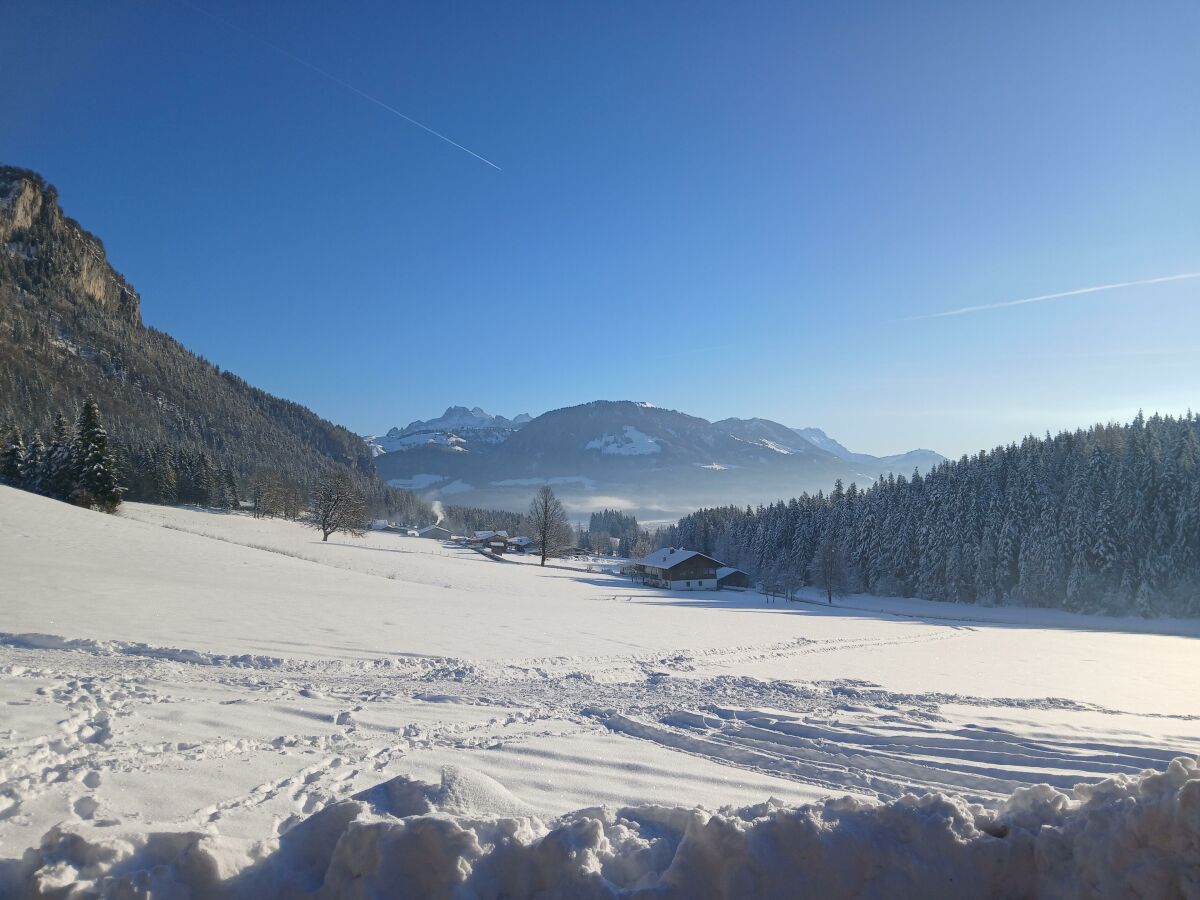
(456, 429)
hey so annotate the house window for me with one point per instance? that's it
(689, 584)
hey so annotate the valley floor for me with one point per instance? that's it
(173, 671)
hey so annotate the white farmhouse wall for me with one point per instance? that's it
(694, 584)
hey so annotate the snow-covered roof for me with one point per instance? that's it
(429, 528)
(725, 571)
(668, 558)
(488, 535)
(520, 540)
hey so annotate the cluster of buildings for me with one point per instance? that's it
(669, 567)
(498, 542)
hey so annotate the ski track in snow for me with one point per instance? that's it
(838, 736)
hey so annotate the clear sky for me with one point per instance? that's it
(728, 209)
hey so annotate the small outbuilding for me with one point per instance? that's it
(735, 579)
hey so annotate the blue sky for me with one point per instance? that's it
(728, 209)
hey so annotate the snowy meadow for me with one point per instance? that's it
(205, 704)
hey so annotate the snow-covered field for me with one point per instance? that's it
(206, 700)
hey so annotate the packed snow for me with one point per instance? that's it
(204, 702)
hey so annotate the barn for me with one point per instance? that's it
(436, 532)
(491, 541)
(735, 579)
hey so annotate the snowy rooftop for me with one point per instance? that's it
(725, 571)
(667, 558)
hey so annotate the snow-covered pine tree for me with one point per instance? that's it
(1105, 520)
(95, 475)
(58, 478)
(12, 461)
(166, 482)
(35, 464)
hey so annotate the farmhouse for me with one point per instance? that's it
(436, 532)
(491, 541)
(679, 570)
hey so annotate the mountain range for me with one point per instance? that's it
(71, 325)
(657, 463)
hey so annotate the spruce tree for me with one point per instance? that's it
(166, 487)
(58, 476)
(95, 474)
(12, 463)
(35, 464)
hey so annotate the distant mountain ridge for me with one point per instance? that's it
(455, 428)
(622, 454)
(920, 458)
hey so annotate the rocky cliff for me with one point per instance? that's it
(50, 247)
(71, 325)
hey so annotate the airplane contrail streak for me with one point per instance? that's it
(962, 311)
(338, 81)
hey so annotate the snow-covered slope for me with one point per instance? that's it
(207, 700)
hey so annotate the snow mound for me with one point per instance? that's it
(1126, 836)
(37, 641)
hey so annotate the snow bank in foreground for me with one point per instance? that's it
(1127, 836)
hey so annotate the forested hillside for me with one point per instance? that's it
(1104, 520)
(70, 326)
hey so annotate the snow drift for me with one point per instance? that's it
(1125, 836)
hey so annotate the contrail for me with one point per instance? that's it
(1041, 297)
(338, 81)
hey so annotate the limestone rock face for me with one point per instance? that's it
(71, 327)
(36, 236)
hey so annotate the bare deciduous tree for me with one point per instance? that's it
(601, 542)
(641, 547)
(548, 523)
(829, 570)
(338, 505)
